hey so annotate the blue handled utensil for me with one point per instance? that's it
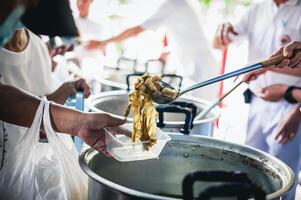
(160, 99)
(78, 103)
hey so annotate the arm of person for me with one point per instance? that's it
(18, 107)
(277, 92)
(226, 33)
(131, 32)
(288, 126)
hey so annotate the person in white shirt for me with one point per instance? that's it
(182, 25)
(19, 108)
(26, 64)
(90, 61)
(268, 25)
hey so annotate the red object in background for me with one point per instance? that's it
(165, 41)
(222, 71)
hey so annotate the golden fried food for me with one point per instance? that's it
(145, 114)
(144, 127)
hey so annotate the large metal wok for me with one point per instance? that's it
(178, 117)
(211, 168)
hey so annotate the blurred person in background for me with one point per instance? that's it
(90, 61)
(268, 25)
(182, 24)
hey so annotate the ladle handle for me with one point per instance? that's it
(223, 77)
(267, 63)
(277, 59)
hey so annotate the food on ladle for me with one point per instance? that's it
(144, 127)
(145, 114)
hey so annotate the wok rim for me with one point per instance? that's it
(215, 111)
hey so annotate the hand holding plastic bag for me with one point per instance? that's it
(44, 171)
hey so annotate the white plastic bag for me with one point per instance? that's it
(43, 170)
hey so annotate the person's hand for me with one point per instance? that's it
(90, 128)
(69, 89)
(288, 126)
(272, 93)
(251, 76)
(290, 60)
(95, 44)
(222, 35)
(61, 50)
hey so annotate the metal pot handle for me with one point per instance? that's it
(174, 77)
(191, 106)
(176, 109)
(130, 76)
(243, 191)
(127, 59)
(238, 184)
(154, 60)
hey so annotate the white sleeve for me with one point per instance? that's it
(242, 27)
(159, 17)
(48, 69)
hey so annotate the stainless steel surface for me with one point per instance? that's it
(165, 100)
(115, 102)
(161, 178)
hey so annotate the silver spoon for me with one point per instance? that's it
(161, 99)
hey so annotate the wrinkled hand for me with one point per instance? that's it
(222, 35)
(273, 93)
(287, 51)
(61, 50)
(71, 87)
(288, 126)
(94, 44)
(251, 76)
(91, 126)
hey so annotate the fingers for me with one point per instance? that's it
(284, 63)
(110, 121)
(288, 49)
(222, 34)
(281, 136)
(100, 145)
(278, 52)
(227, 29)
(83, 86)
(284, 135)
(296, 60)
(249, 77)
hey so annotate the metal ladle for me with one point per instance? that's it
(161, 99)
